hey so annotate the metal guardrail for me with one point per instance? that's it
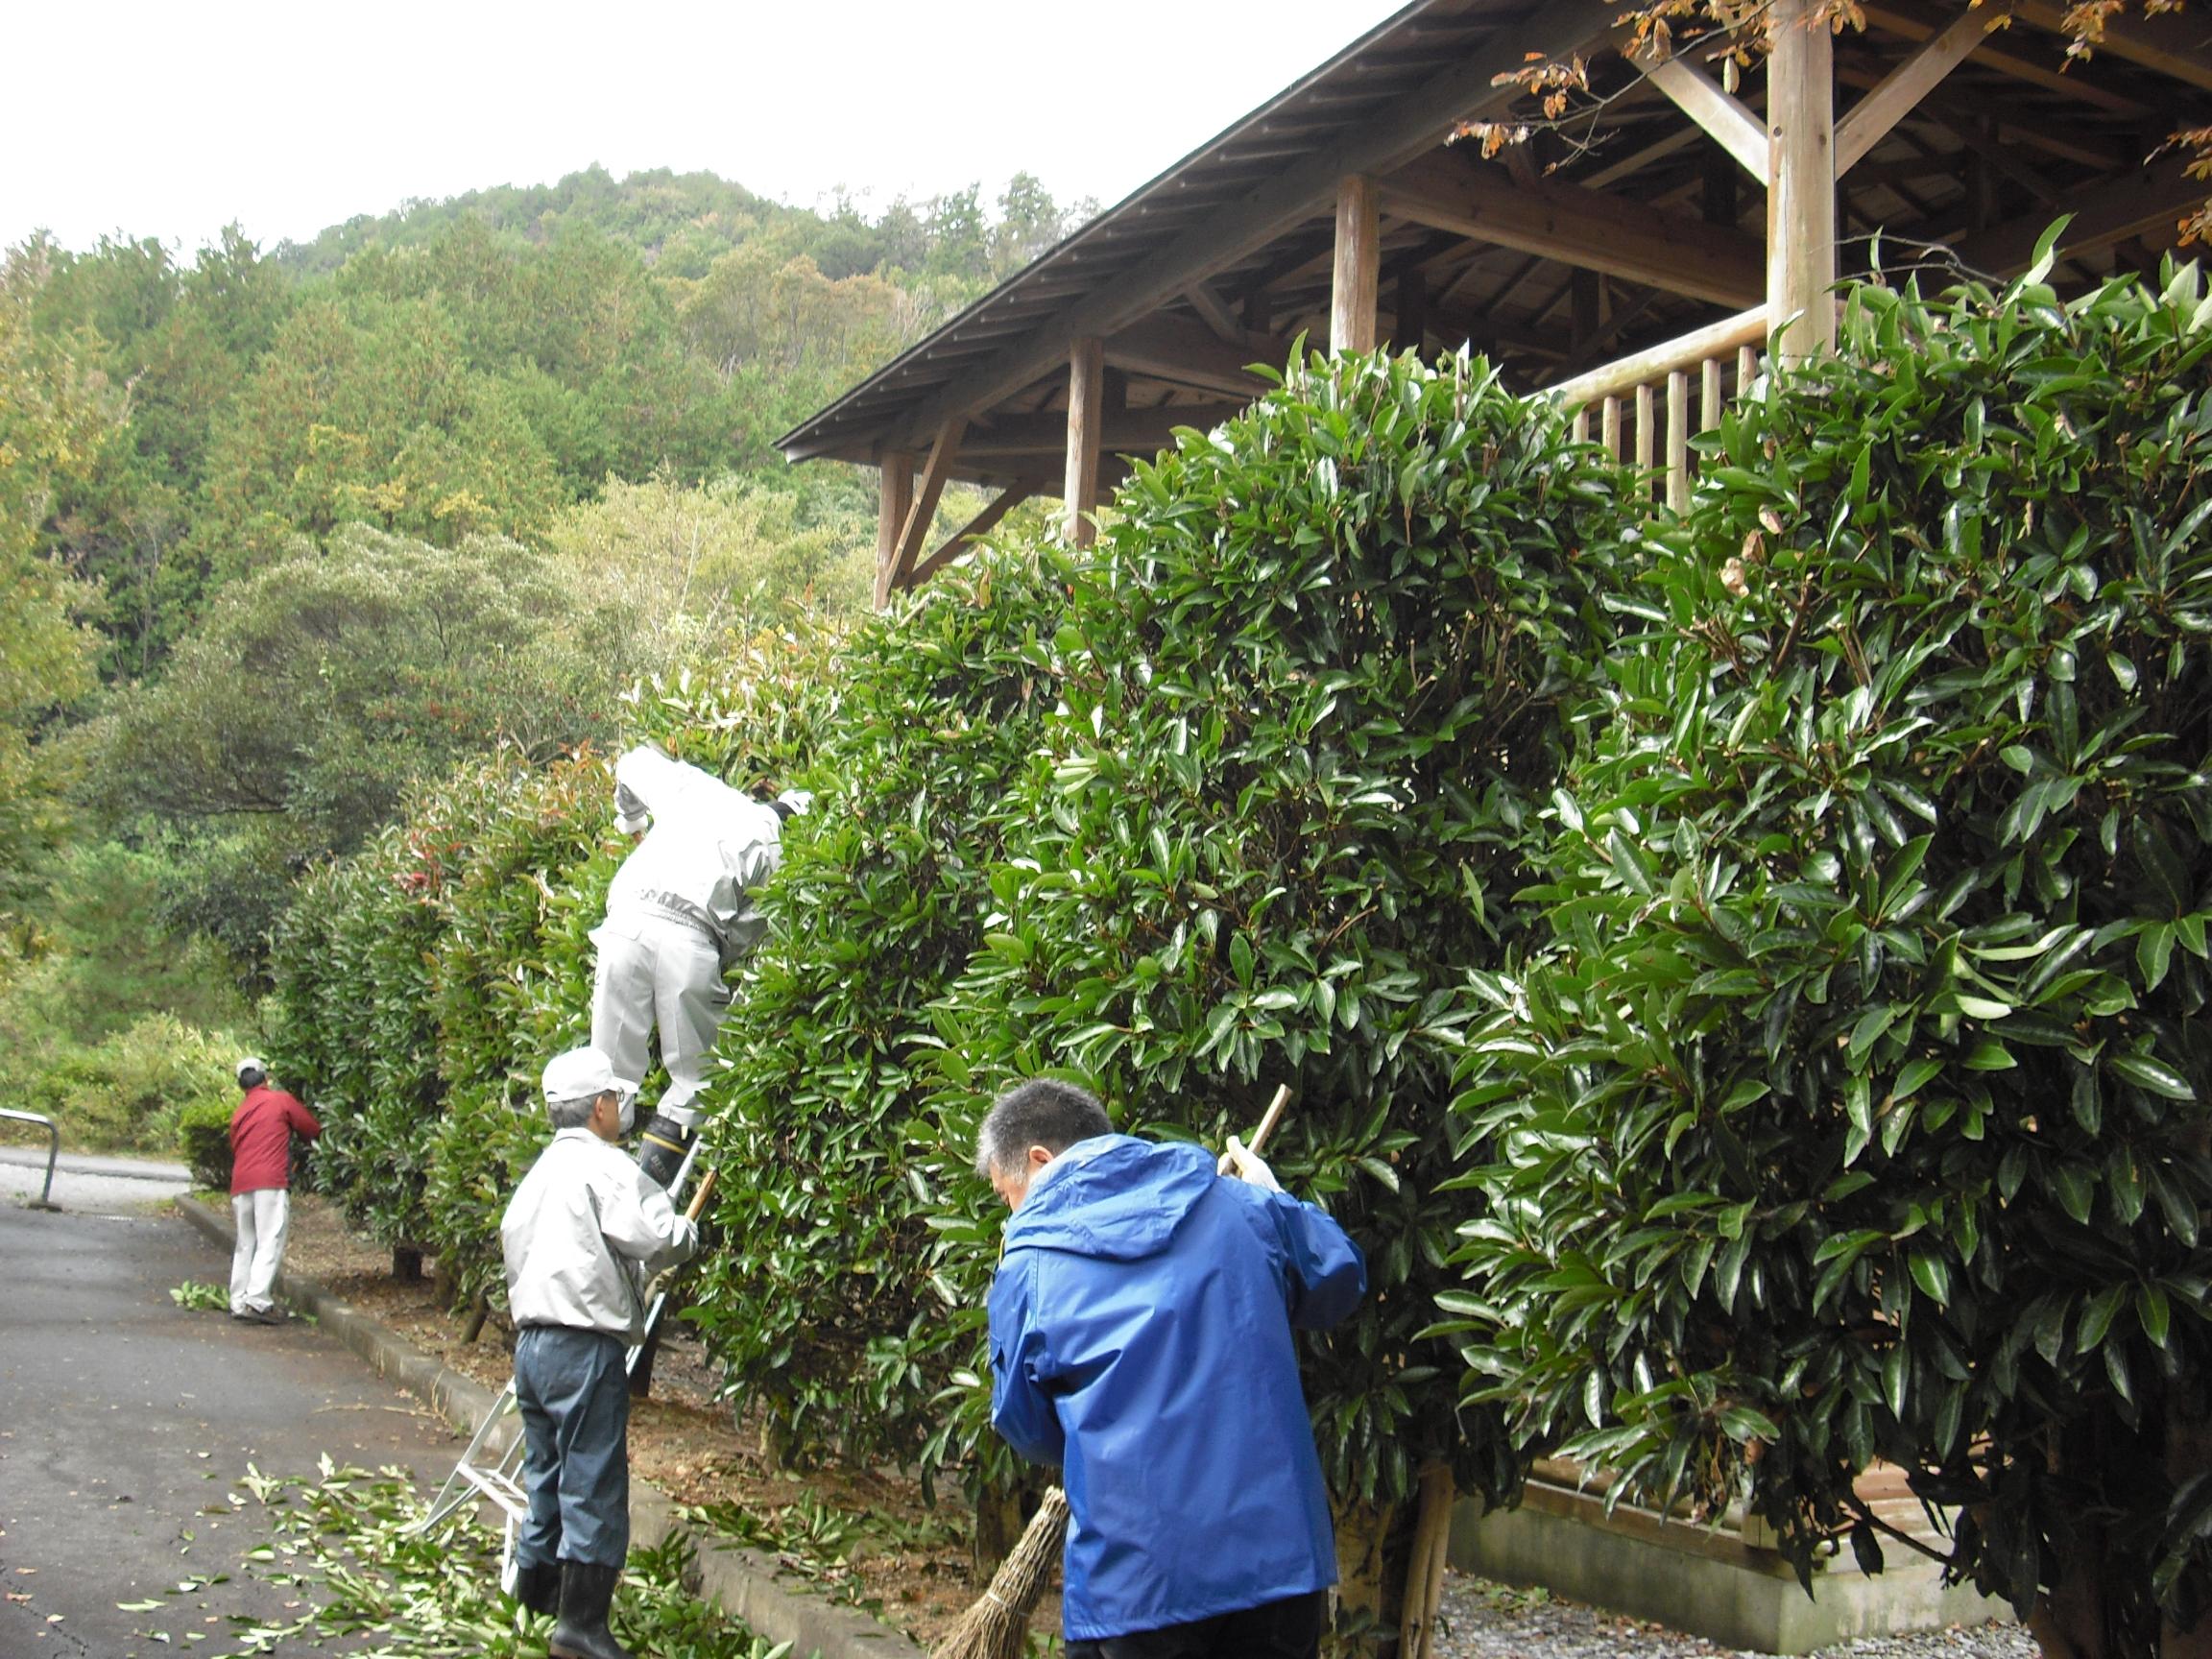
(45, 1199)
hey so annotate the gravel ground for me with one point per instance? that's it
(1482, 1620)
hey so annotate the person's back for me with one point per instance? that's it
(709, 846)
(1142, 1337)
(261, 1131)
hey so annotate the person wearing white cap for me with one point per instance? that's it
(261, 1132)
(679, 915)
(583, 1236)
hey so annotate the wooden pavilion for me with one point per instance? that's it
(1633, 259)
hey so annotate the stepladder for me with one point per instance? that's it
(493, 1465)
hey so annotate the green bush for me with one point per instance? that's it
(821, 1299)
(127, 1093)
(204, 1142)
(1857, 1106)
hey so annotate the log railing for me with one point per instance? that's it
(1723, 359)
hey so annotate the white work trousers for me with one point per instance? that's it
(262, 1218)
(654, 971)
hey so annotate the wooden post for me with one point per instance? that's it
(896, 494)
(1801, 179)
(1085, 397)
(1679, 440)
(1352, 299)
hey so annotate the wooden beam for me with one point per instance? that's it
(895, 490)
(923, 510)
(1801, 181)
(1721, 116)
(1356, 269)
(1869, 120)
(1985, 145)
(1583, 228)
(1914, 25)
(1213, 311)
(2148, 202)
(1186, 353)
(1086, 392)
(994, 510)
(1467, 88)
(1131, 432)
(2173, 44)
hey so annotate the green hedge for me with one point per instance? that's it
(1857, 1106)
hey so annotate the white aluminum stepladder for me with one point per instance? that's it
(502, 1481)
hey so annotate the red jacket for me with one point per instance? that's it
(262, 1137)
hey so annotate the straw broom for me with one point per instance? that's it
(997, 1625)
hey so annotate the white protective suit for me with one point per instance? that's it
(680, 912)
(583, 1236)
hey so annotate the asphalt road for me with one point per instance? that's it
(106, 1186)
(125, 1421)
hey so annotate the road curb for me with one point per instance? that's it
(742, 1582)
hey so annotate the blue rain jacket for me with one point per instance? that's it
(1140, 1338)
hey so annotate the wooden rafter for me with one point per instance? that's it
(1870, 120)
(2173, 44)
(1184, 354)
(1129, 432)
(2106, 211)
(1213, 311)
(1583, 228)
(1916, 24)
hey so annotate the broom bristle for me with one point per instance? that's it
(997, 1625)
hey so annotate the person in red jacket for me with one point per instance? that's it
(261, 1132)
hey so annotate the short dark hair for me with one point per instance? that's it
(1042, 1111)
(252, 1078)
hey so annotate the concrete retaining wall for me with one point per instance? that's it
(1705, 1580)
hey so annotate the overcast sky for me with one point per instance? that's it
(171, 120)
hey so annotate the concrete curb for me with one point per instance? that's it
(742, 1582)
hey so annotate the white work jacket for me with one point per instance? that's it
(584, 1233)
(710, 848)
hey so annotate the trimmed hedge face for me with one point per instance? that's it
(1857, 1108)
(823, 1298)
(1314, 683)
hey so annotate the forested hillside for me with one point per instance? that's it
(284, 532)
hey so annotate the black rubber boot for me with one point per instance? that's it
(538, 1587)
(660, 1148)
(586, 1592)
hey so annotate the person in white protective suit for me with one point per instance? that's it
(679, 913)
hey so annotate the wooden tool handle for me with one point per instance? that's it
(700, 1195)
(1267, 1120)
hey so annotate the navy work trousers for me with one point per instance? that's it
(575, 1400)
(1287, 1629)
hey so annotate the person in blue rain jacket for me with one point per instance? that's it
(1140, 1327)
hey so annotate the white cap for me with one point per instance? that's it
(252, 1063)
(796, 803)
(580, 1075)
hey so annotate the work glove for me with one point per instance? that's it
(1247, 1165)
